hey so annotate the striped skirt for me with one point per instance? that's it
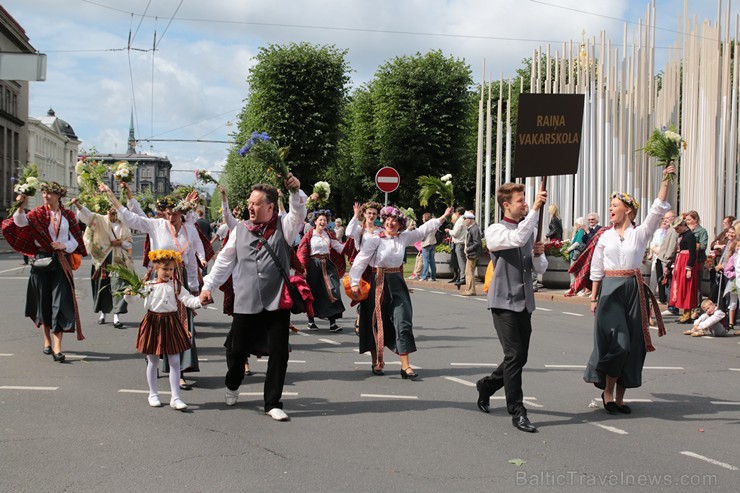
(162, 334)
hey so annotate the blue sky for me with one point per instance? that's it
(195, 82)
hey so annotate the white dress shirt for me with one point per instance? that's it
(500, 237)
(388, 252)
(70, 244)
(615, 253)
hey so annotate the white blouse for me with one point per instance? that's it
(70, 244)
(354, 229)
(187, 241)
(161, 298)
(387, 252)
(615, 253)
(320, 244)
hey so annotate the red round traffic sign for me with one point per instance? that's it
(387, 179)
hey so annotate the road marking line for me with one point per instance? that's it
(731, 369)
(460, 380)
(264, 360)
(11, 354)
(387, 363)
(19, 278)
(503, 398)
(728, 403)
(301, 333)
(543, 309)
(329, 341)
(460, 296)
(437, 292)
(356, 350)
(475, 364)
(482, 299)
(22, 387)
(203, 359)
(260, 394)
(663, 367)
(638, 400)
(419, 289)
(136, 391)
(211, 308)
(613, 429)
(707, 459)
(566, 366)
(385, 396)
(532, 404)
(574, 314)
(14, 268)
(84, 356)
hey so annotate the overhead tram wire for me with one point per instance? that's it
(186, 140)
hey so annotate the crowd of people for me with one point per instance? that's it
(262, 244)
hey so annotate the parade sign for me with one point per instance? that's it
(387, 179)
(548, 140)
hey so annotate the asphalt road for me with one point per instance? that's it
(85, 425)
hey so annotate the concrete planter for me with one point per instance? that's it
(442, 260)
(556, 276)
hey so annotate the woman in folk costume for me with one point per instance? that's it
(386, 317)
(685, 281)
(620, 299)
(361, 227)
(320, 254)
(49, 231)
(109, 241)
(172, 233)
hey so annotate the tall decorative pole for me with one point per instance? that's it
(489, 124)
(479, 157)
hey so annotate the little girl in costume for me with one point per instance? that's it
(162, 331)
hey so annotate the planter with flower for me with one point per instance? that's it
(556, 275)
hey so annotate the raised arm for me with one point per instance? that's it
(127, 217)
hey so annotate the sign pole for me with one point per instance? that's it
(542, 211)
(386, 198)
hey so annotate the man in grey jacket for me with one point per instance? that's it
(664, 258)
(473, 251)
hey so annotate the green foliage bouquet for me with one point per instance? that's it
(322, 189)
(665, 145)
(132, 283)
(90, 173)
(431, 185)
(265, 151)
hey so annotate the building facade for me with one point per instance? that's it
(53, 146)
(13, 111)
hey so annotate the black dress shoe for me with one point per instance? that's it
(451, 281)
(406, 375)
(522, 423)
(624, 409)
(118, 325)
(47, 350)
(101, 321)
(484, 401)
(611, 407)
(60, 357)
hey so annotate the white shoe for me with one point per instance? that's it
(278, 414)
(667, 313)
(231, 397)
(178, 404)
(154, 401)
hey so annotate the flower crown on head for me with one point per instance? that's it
(54, 187)
(165, 256)
(166, 202)
(628, 199)
(326, 212)
(371, 205)
(392, 211)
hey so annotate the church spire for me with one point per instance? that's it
(131, 138)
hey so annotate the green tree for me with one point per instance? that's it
(297, 95)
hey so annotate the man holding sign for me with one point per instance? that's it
(511, 298)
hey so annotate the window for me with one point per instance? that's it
(160, 187)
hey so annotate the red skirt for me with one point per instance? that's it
(684, 291)
(162, 333)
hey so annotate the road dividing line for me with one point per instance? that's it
(387, 363)
(84, 356)
(202, 359)
(531, 404)
(575, 367)
(707, 459)
(301, 333)
(574, 314)
(264, 360)
(11, 354)
(260, 394)
(386, 396)
(211, 308)
(460, 380)
(493, 365)
(731, 369)
(135, 391)
(14, 268)
(613, 429)
(503, 398)
(663, 367)
(725, 403)
(419, 289)
(329, 341)
(543, 309)
(23, 387)
(437, 292)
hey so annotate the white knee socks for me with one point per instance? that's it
(151, 373)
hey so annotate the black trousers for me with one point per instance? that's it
(659, 273)
(514, 330)
(259, 334)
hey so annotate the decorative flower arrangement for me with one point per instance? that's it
(97, 202)
(90, 173)
(123, 171)
(28, 184)
(557, 248)
(184, 206)
(162, 255)
(431, 185)
(322, 190)
(205, 177)
(146, 201)
(265, 151)
(409, 212)
(665, 145)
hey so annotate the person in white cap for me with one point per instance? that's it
(473, 251)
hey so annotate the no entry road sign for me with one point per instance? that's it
(387, 179)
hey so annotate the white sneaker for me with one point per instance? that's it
(178, 404)
(278, 414)
(154, 401)
(667, 313)
(231, 397)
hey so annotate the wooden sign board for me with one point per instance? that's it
(548, 139)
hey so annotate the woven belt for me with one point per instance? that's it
(644, 304)
(320, 256)
(377, 325)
